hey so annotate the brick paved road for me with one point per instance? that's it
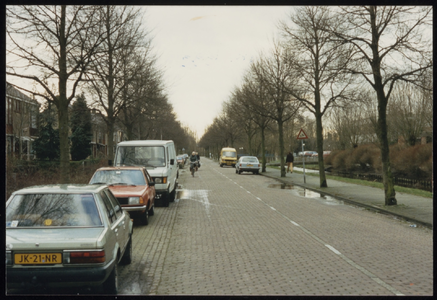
(230, 234)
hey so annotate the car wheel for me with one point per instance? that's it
(145, 217)
(172, 195)
(152, 210)
(236, 171)
(239, 172)
(165, 200)
(110, 286)
(127, 256)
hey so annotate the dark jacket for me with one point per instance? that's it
(290, 157)
(193, 158)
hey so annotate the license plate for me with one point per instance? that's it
(229, 163)
(250, 165)
(38, 258)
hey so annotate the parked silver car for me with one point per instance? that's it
(66, 235)
(247, 164)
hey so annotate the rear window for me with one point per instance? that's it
(250, 159)
(122, 177)
(45, 210)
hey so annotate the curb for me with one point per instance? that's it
(370, 207)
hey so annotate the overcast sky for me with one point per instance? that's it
(205, 50)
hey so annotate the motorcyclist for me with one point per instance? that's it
(193, 161)
(193, 157)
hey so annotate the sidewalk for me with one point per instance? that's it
(415, 209)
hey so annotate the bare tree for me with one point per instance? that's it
(407, 112)
(353, 123)
(320, 61)
(56, 43)
(140, 98)
(240, 110)
(391, 46)
(275, 75)
(117, 64)
(256, 99)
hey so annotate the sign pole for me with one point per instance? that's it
(303, 161)
(302, 136)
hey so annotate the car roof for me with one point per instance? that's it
(61, 189)
(247, 156)
(145, 143)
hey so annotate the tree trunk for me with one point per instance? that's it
(62, 103)
(319, 133)
(263, 149)
(110, 130)
(281, 146)
(387, 176)
(249, 140)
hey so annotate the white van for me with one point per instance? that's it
(159, 158)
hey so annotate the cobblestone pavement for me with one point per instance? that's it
(230, 234)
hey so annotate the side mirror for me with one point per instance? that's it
(152, 183)
(172, 161)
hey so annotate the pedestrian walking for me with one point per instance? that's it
(289, 162)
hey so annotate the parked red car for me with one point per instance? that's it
(132, 186)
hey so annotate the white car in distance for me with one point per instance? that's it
(247, 164)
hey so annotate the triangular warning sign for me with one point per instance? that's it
(302, 135)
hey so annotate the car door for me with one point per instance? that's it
(118, 221)
(170, 167)
(150, 190)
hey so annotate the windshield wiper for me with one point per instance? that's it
(99, 183)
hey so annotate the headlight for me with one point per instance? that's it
(134, 200)
(161, 180)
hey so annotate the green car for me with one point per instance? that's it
(66, 235)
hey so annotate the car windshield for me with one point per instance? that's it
(148, 156)
(229, 154)
(48, 210)
(250, 159)
(125, 177)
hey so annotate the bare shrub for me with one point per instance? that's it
(47, 172)
(415, 161)
(329, 159)
(339, 160)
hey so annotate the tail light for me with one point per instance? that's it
(85, 257)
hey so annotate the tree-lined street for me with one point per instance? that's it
(230, 234)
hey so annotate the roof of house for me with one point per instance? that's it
(12, 92)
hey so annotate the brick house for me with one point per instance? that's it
(21, 122)
(99, 142)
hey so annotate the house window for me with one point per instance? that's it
(17, 105)
(9, 111)
(33, 121)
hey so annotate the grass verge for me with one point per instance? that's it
(400, 189)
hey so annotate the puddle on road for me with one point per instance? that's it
(196, 195)
(306, 193)
(282, 186)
